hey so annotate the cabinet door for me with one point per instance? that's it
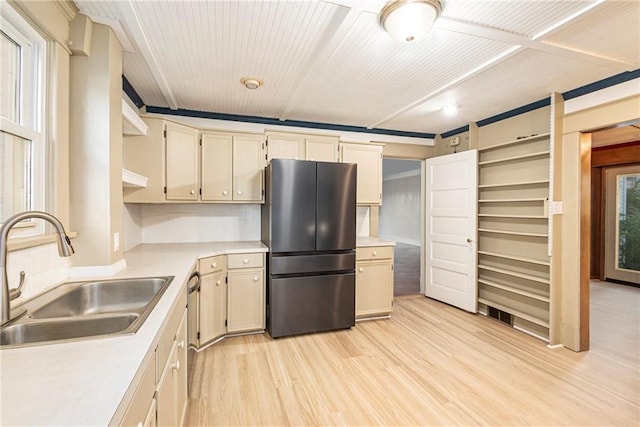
(213, 307)
(369, 161)
(180, 391)
(167, 410)
(322, 149)
(217, 151)
(285, 147)
(374, 288)
(248, 164)
(245, 305)
(182, 160)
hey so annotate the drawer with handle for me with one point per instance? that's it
(211, 264)
(374, 252)
(251, 260)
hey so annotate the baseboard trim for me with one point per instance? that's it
(97, 270)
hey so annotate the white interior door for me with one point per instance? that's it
(451, 229)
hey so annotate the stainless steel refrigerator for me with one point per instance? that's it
(309, 224)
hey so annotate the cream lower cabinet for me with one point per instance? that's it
(374, 281)
(368, 157)
(171, 390)
(213, 299)
(245, 293)
(142, 408)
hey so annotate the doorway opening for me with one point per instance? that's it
(400, 220)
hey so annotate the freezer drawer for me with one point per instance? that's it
(299, 305)
(304, 264)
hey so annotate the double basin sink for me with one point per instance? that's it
(81, 310)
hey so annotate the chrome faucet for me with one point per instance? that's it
(64, 249)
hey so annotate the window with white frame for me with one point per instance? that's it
(22, 109)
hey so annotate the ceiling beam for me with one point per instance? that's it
(334, 37)
(134, 25)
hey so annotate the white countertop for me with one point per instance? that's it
(83, 382)
(363, 242)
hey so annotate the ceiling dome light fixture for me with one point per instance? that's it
(407, 20)
(251, 83)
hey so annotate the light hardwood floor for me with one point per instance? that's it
(430, 364)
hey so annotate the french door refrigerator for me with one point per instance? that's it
(309, 224)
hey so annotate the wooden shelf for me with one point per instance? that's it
(540, 199)
(132, 179)
(515, 158)
(132, 124)
(516, 141)
(513, 233)
(516, 313)
(515, 258)
(514, 216)
(514, 184)
(514, 290)
(515, 274)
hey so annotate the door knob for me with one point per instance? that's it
(469, 240)
(192, 192)
(225, 192)
(239, 192)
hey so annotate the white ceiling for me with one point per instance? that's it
(329, 61)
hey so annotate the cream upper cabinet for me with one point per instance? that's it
(145, 155)
(374, 281)
(217, 161)
(285, 146)
(321, 148)
(298, 146)
(368, 157)
(182, 162)
(248, 168)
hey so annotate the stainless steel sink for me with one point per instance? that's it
(82, 310)
(102, 297)
(64, 329)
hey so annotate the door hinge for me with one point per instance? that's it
(201, 191)
(265, 157)
(226, 279)
(225, 322)
(391, 267)
(165, 189)
(198, 335)
(263, 191)
(165, 133)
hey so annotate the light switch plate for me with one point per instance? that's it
(556, 208)
(116, 241)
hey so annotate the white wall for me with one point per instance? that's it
(43, 269)
(400, 210)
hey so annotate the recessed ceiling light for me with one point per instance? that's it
(450, 110)
(251, 83)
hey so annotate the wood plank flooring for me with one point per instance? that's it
(430, 364)
(406, 269)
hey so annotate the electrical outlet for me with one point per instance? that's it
(116, 241)
(556, 208)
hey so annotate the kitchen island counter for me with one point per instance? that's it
(84, 382)
(365, 242)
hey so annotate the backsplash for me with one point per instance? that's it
(43, 266)
(190, 223)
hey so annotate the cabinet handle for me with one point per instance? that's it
(214, 264)
(239, 192)
(192, 192)
(255, 278)
(361, 269)
(176, 366)
(375, 253)
(181, 344)
(225, 192)
(218, 283)
(140, 424)
(245, 261)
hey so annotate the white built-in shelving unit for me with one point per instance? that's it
(132, 124)
(513, 231)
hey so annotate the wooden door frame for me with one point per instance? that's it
(574, 162)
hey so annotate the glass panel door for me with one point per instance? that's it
(622, 216)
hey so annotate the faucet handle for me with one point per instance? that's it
(16, 292)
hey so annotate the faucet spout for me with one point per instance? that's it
(64, 249)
